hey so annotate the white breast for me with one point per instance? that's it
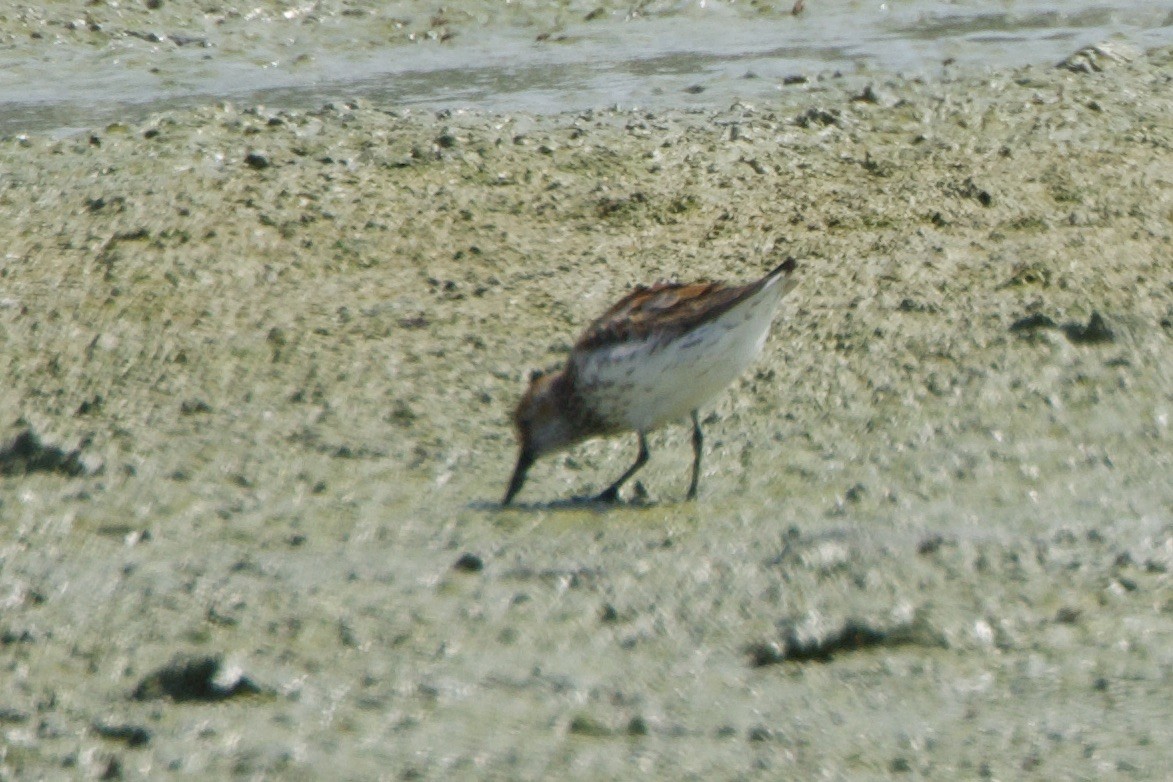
(646, 384)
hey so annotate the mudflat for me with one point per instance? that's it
(256, 371)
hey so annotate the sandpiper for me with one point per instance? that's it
(654, 357)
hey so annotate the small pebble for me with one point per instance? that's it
(469, 563)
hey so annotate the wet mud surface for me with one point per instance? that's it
(256, 369)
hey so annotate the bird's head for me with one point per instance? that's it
(542, 424)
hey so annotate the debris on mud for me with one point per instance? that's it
(132, 735)
(200, 678)
(852, 636)
(27, 454)
(1095, 331)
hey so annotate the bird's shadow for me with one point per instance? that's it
(568, 504)
(592, 502)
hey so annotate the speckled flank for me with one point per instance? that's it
(660, 379)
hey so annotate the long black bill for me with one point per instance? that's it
(524, 461)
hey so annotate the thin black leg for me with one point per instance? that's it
(698, 442)
(611, 493)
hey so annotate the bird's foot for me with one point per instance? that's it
(610, 495)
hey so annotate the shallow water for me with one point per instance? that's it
(61, 72)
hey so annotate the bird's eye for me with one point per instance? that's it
(536, 374)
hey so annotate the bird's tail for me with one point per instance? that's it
(785, 272)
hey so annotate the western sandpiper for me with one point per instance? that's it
(654, 357)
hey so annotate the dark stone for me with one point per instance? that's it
(929, 545)
(765, 653)
(469, 563)
(1095, 331)
(1032, 322)
(760, 733)
(817, 116)
(132, 735)
(92, 405)
(194, 406)
(12, 716)
(637, 727)
(113, 769)
(583, 725)
(971, 189)
(867, 96)
(899, 766)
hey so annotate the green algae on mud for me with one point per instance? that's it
(289, 383)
